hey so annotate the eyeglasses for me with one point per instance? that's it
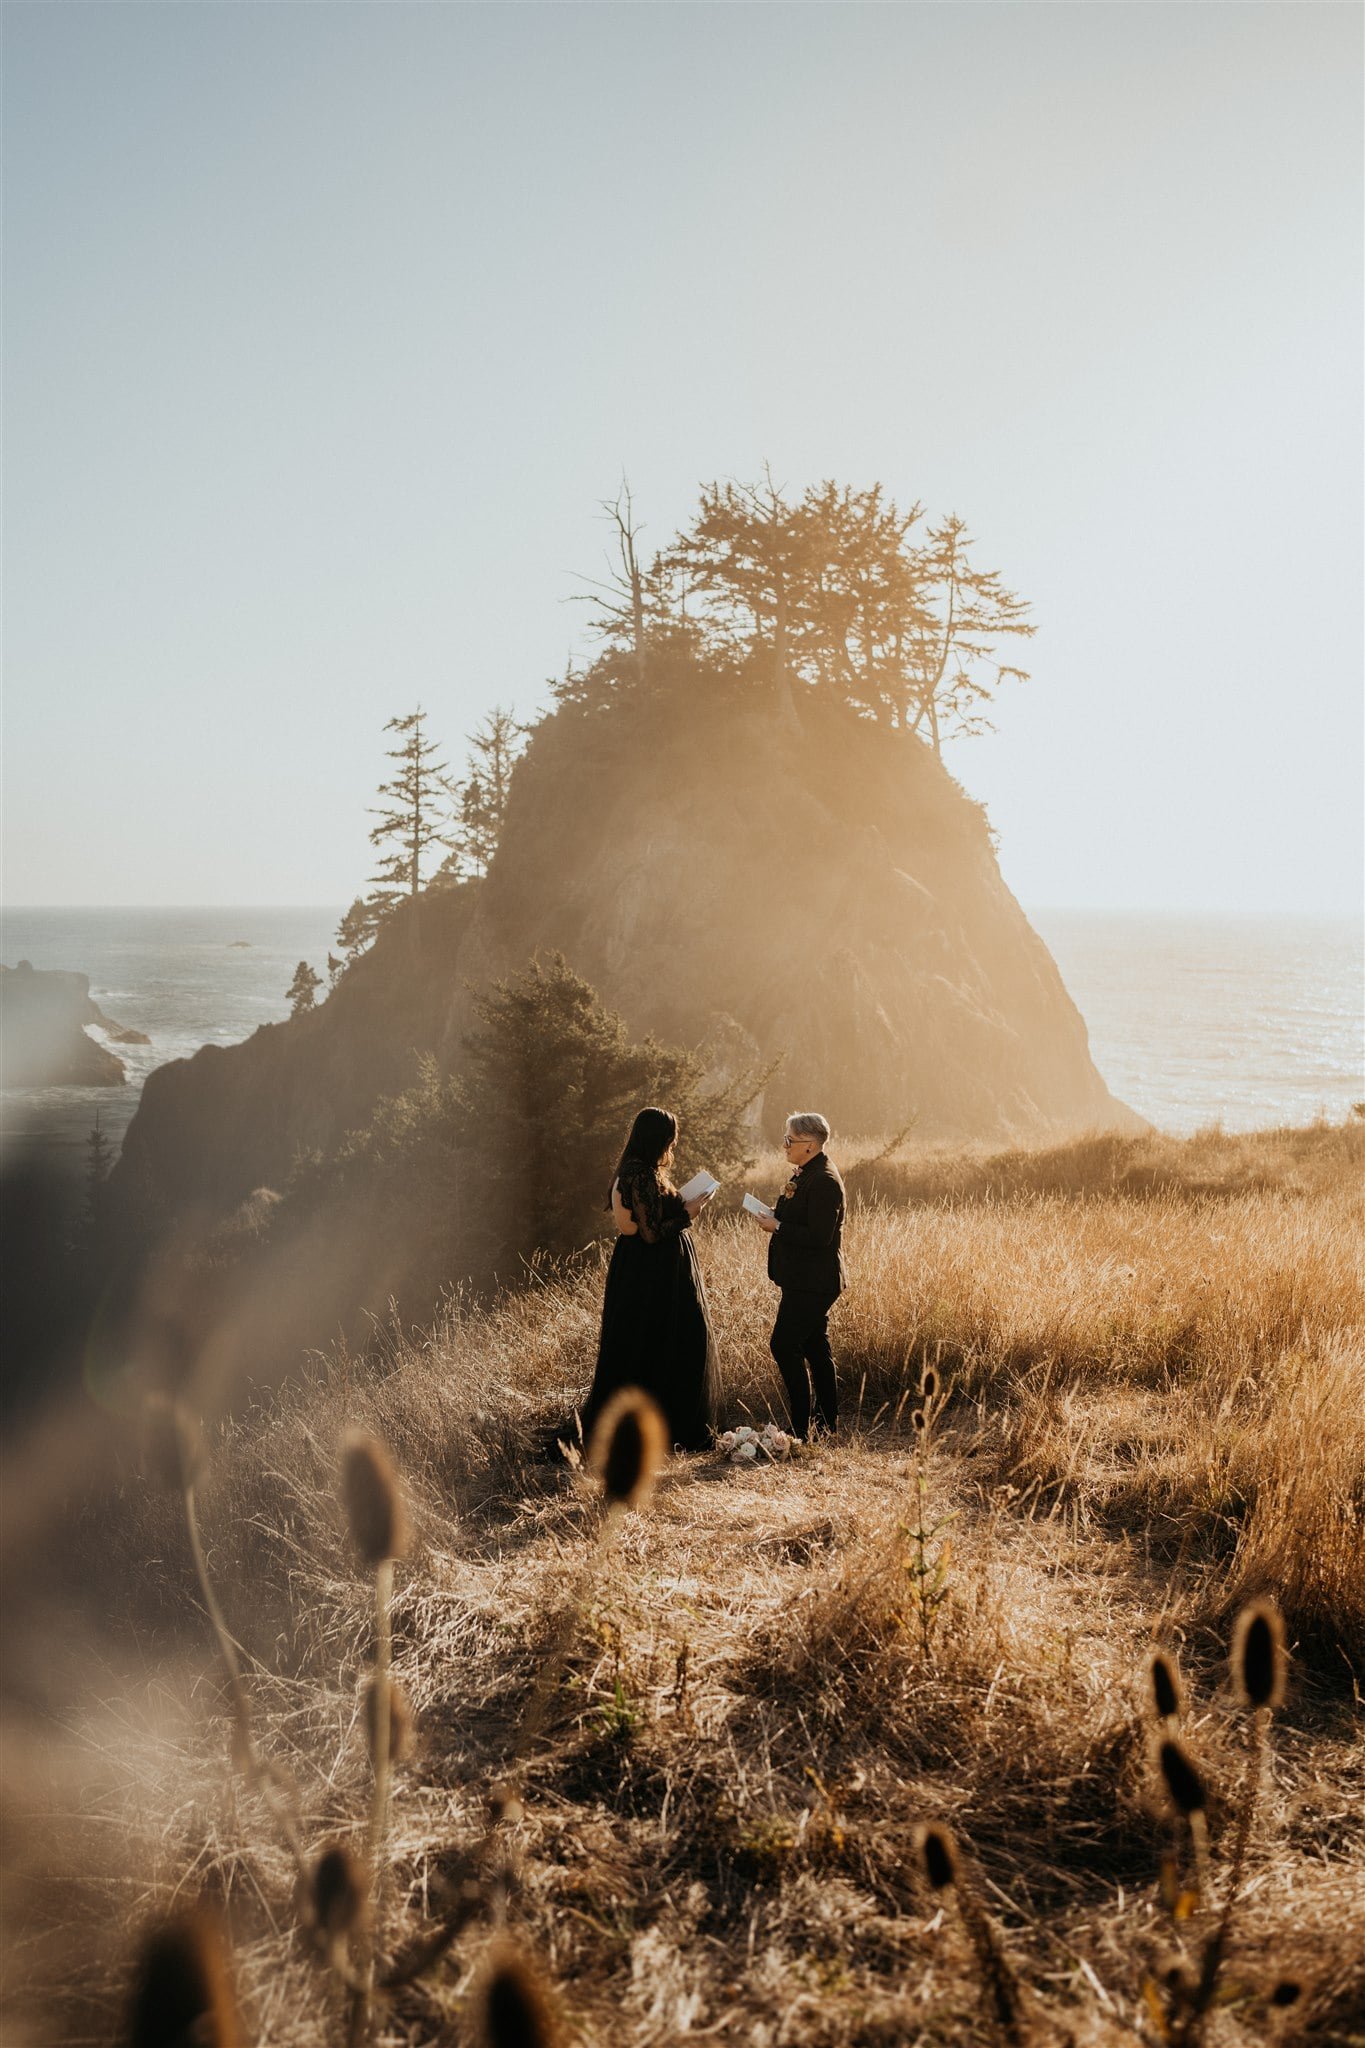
(800, 1139)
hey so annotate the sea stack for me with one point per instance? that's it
(812, 886)
(43, 1039)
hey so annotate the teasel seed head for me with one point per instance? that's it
(504, 1804)
(338, 1891)
(183, 1992)
(1288, 1991)
(1258, 1655)
(1166, 1690)
(1179, 1980)
(628, 1445)
(938, 1854)
(1181, 1776)
(174, 1453)
(928, 1385)
(513, 2008)
(918, 1421)
(373, 1506)
(400, 1721)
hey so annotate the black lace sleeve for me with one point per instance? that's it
(657, 1212)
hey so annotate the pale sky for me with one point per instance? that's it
(326, 327)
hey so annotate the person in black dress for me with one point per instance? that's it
(656, 1332)
(806, 1262)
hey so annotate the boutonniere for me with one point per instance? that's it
(792, 1185)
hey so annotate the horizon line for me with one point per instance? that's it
(1339, 914)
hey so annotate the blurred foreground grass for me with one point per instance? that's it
(1153, 1372)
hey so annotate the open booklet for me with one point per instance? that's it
(757, 1208)
(702, 1183)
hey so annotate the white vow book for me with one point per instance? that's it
(755, 1207)
(702, 1183)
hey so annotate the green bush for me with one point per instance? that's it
(512, 1156)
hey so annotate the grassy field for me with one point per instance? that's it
(1152, 1408)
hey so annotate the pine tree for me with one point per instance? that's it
(968, 611)
(830, 592)
(619, 602)
(861, 609)
(334, 967)
(748, 552)
(550, 1086)
(357, 929)
(481, 799)
(302, 990)
(413, 813)
(639, 608)
(512, 1156)
(98, 1159)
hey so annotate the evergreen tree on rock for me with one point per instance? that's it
(357, 929)
(302, 990)
(412, 816)
(481, 800)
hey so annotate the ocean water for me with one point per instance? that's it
(185, 977)
(1245, 1020)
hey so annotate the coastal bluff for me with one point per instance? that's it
(43, 1038)
(796, 884)
(765, 880)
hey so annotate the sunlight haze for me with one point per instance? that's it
(327, 328)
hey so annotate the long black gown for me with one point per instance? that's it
(656, 1332)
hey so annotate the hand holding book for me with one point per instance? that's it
(698, 1191)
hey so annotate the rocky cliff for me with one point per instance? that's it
(43, 1038)
(762, 879)
(805, 884)
(212, 1129)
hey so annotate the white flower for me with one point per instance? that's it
(727, 1440)
(749, 1450)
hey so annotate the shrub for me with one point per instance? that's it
(508, 1160)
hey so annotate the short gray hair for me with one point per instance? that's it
(808, 1123)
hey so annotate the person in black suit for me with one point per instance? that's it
(806, 1262)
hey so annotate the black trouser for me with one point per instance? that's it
(800, 1344)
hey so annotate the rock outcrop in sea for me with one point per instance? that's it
(808, 885)
(43, 1038)
(762, 880)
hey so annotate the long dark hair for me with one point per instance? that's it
(651, 1134)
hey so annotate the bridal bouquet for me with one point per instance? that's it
(743, 1445)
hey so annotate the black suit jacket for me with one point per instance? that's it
(804, 1252)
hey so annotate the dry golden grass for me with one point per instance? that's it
(1155, 1407)
(1212, 1164)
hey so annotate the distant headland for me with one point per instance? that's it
(43, 1015)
